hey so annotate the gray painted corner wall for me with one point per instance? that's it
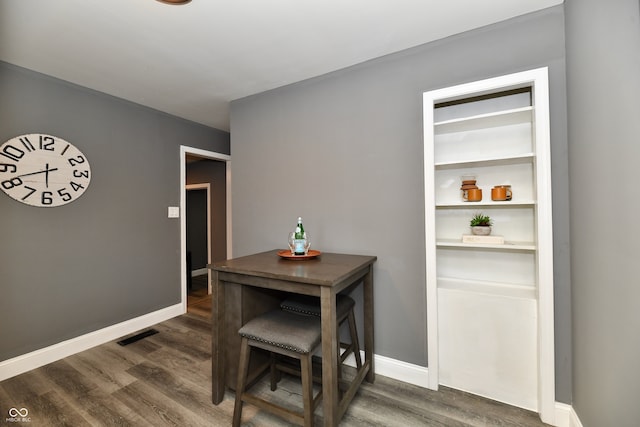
(345, 152)
(603, 63)
(111, 255)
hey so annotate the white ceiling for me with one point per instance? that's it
(192, 60)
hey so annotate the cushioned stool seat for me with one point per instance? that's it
(288, 334)
(310, 306)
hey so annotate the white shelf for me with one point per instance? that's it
(484, 121)
(488, 288)
(487, 161)
(485, 204)
(507, 246)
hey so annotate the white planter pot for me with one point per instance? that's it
(481, 230)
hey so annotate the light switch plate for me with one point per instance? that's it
(174, 212)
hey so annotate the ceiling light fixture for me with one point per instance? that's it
(174, 1)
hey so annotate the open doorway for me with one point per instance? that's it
(208, 173)
(198, 236)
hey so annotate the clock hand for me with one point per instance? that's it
(46, 175)
(35, 173)
(45, 171)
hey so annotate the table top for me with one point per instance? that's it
(327, 269)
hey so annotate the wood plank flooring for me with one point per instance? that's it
(198, 301)
(165, 380)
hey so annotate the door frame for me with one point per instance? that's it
(211, 155)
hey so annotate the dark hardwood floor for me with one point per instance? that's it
(164, 380)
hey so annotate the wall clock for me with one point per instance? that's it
(43, 170)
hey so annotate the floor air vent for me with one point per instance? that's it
(137, 337)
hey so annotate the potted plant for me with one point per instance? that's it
(481, 224)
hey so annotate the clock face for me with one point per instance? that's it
(43, 170)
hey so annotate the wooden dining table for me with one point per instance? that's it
(248, 286)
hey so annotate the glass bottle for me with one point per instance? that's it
(299, 239)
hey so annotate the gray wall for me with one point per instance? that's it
(603, 64)
(111, 255)
(345, 152)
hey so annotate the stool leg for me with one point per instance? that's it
(243, 367)
(341, 357)
(354, 339)
(274, 374)
(307, 389)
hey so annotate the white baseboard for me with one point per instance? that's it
(26, 362)
(395, 369)
(199, 272)
(402, 371)
(566, 416)
(574, 421)
(562, 415)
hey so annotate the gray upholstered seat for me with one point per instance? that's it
(288, 334)
(283, 329)
(306, 304)
(310, 306)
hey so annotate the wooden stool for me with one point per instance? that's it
(288, 334)
(310, 306)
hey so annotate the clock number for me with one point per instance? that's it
(12, 152)
(27, 144)
(11, 183)
(46, 198)
(64, 194)
(6, 167)
(46, 142)
(76, 161)
(75, 186)
(80, 174)
(33, 190)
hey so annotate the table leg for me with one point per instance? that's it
(367, 289)
(217, 340)
(329, 357)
